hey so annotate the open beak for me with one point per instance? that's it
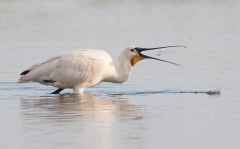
(139, 50)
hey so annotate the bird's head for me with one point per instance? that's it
(134, 54)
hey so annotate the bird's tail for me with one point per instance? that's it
(22, 80)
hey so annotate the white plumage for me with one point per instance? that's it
(82, 69)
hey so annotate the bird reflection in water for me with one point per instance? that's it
(69, 108)
(80, 120)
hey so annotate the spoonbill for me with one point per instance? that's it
(86, 68)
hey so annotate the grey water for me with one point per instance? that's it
(160, 106)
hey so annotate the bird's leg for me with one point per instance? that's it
(77, 89)
(57, 91)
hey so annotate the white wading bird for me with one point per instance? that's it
(82, 69)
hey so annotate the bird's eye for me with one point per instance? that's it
(132, 50)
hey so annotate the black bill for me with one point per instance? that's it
(146, 49)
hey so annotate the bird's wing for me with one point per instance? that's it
(38, 70)
(71, 68)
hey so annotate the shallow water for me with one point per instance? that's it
(160, 106)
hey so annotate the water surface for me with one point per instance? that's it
(160, 106)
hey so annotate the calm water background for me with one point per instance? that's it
(156, 108)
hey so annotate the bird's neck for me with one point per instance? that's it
(121, 72)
